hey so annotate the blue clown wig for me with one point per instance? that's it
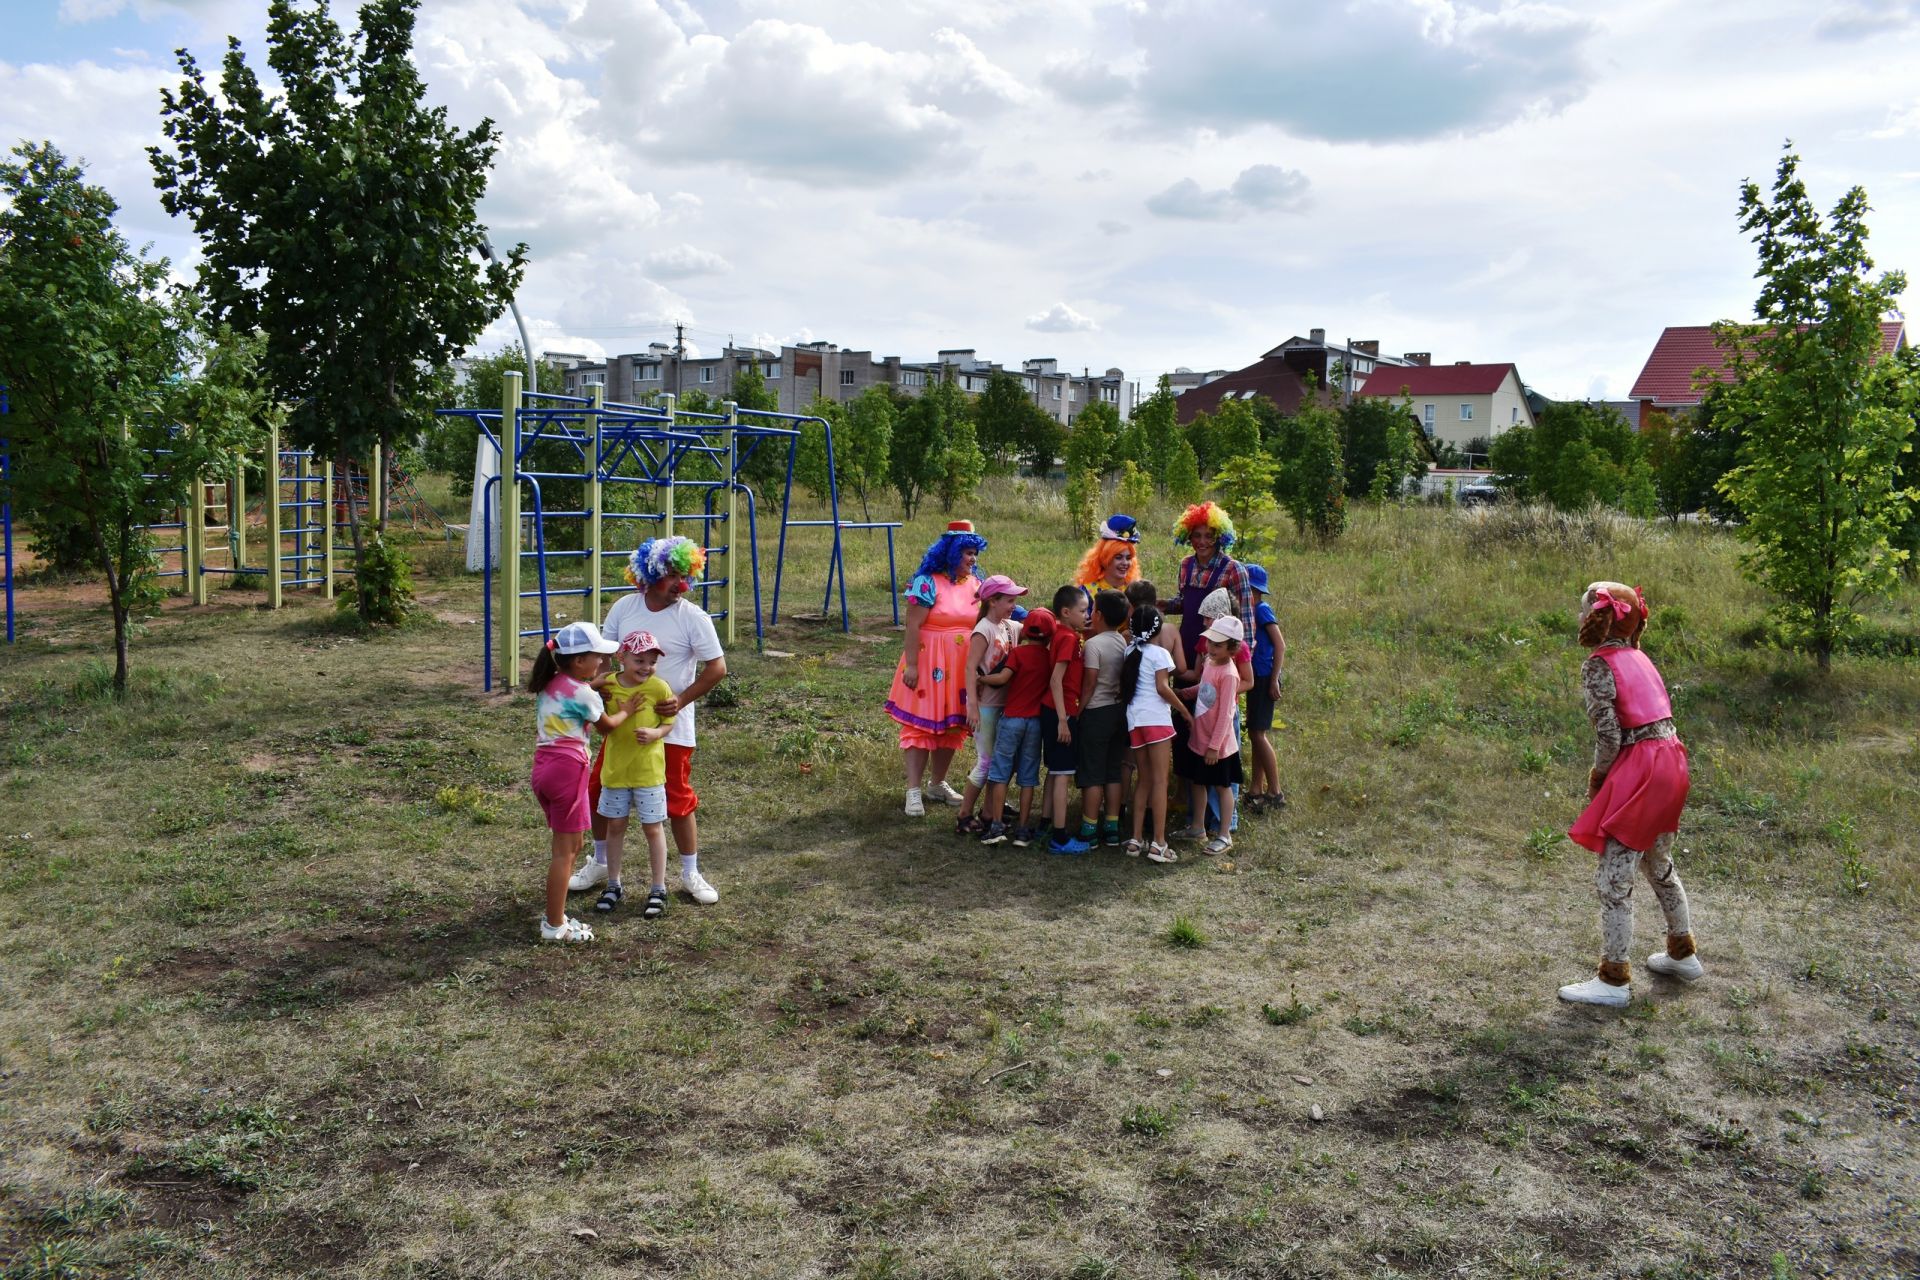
(943, 557)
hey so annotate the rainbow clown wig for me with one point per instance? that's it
(1204, 515)
(943, 556)
(657, 558)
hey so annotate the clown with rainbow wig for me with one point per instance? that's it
(1207, 530)
(662, 570)
(1113, 562)
(928, 697)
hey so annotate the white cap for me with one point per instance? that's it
(1225, 629)
(581, 637)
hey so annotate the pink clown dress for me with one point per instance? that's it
(1646, 787)
(933, 717)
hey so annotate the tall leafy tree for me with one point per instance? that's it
(1235, 433)
(1817, 476)
(1159, 421)
(1092, 440)
(337, 216)
(1377, 440)
(934, 449)
(1002, 419)
(1313, 478)
(105, 369)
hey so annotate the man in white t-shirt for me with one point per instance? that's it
(691, 662)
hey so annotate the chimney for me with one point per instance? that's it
(1317, 336)
(1366, 347)
(1461, 364)
(1420, 358)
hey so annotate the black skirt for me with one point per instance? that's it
(1193, 766)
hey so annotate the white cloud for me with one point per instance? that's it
(1864, 19)
(1260, 188)
(1368, 70)
(682, 262)
(1110, 227)
(1061, 318)
(1901, 121)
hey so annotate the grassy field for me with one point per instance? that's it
(270, 1004)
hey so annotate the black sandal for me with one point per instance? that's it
(656, 905)
(610, 898)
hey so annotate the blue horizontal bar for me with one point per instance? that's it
(555, 555)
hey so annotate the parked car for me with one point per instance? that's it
(1476, 493)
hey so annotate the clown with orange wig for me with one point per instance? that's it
(1638, 786)
(1207, 530)
(1112, 563)
(662, 570)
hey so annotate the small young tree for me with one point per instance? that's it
(337, 217)
(1159, 421)
(1378, 445)
(1092, 440)
(810, 458)
(863, 448)
(1313, 478)
(1181, 479)
(1825, 431)
(1003, 420)
(1235, 434)
(961, 463)
(100, 361)
(1135, 491)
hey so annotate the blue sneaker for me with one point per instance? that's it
(1072, 844)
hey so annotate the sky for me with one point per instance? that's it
(1139, 184)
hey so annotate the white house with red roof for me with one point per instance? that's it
(1456, 403)
(1684, 350)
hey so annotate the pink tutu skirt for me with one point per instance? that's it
(1640, 799)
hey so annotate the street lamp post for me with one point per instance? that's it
(526, 343)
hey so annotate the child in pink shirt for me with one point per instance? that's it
(1213, 748)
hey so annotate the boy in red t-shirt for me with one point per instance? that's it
(1016, 746)
(1060, 713)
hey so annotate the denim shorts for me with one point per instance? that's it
(1016, 743)
(649, 804)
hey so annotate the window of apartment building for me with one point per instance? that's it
(1466, 411)
(770, 370)
(1110, 394)
(846, 377)
(1056, 391)
(706, 373)
(593, 379)
(1073, 392)
(649, 373)
(913, 378)
(1030, 384)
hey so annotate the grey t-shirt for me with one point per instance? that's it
(1103, 655)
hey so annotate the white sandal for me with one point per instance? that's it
(1134, 848)
(568, 930)
(1160, 853)
(1217, 846)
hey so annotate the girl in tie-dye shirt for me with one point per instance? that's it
(567, 708)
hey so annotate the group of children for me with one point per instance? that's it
(1097, 687)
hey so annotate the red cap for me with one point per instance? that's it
(959, 526)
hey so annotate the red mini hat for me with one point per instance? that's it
(959, 526)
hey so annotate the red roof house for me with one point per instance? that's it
(1456, 402)
(1667, 381)
(1270, 376)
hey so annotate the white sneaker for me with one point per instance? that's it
(568, 930)
(698, 889)
(590, 876)
(942, 792)
(1688, 970)
(916, 807)
(1597, 991)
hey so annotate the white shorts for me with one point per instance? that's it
(649, 804)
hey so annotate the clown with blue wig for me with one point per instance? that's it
(928, 697)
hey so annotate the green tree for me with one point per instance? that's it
(1236, 433)
(99, 358)
(1135, 491)
(1159, 421)
(863, 450)
(766, 467)
(1313, 477)
(1377, 440)
(1510, 457)
(962, 464)
(1825, 429)
(1092, 441)
(1004, 420)
(934, 449)
(449, 443)
(336, 216)
(1181, 479)
(810, 459)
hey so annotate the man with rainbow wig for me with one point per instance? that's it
(1208, 530)
(662, 570)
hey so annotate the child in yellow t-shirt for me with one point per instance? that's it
(633, 774)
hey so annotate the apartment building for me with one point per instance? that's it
(797, 374)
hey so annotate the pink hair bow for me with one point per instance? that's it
(1603, 597)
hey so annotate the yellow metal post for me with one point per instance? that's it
(326, 529)
(275, 593)
(666, 506)
(599, 399)
(376, 480)
(733, 447)
(509, 508)
(237, 519)
(196, 539)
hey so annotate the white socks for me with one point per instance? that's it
(690, 863)
(599, 850)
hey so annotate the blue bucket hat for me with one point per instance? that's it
(1257, 578)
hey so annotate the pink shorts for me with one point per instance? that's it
(560, 785)
(1148, 734)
